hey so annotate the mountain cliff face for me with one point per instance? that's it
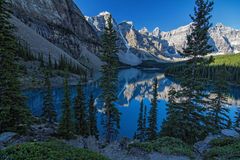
(223, 39)
(226, 39)
(134, 47)
(61, 23)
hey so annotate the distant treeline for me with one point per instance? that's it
(23, 51)
(209, 72)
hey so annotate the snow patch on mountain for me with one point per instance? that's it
(104, 13)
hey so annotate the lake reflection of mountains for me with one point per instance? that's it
(135, 84)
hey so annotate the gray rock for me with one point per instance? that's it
(114, 151)
(78, 142)
(6, 137)
(42, 132)
(203, 146)
(91, 143)
(237, 129)
(230, 133)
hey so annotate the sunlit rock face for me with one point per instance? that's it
(226, 39)
(134, 46)
(162, 46)
(222, 39)
(99, 23)
(126, 53)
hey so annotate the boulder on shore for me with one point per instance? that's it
(6, 137)
(230, 133)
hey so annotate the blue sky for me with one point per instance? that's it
(166, 14)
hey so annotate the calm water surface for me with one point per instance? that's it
(134, 85)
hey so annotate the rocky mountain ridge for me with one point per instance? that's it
(165, 46)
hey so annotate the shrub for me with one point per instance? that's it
(227, 148)
(166, 145)
(220, 142)
(48, 151)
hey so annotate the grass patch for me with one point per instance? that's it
(53, 150)
(224, 148)
(228, 60)
(165, 145)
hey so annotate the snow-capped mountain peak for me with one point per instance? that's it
(144, 30)
(156, 32)
(104, 13)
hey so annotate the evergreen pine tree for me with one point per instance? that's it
(49, 113)
(65, 129)
(14, 115)
(218, 113)
(40, 58)
(186, 118)
(50, 61)
(145, 122)
(152, 119)
(55, 65)
(80, 112)
(93, 130)
(175, 113)
(140, 126)
(108, 82)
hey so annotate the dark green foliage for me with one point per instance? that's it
(227, 148)
(218, 117)
(228, 60)
(220, 142)
(49, 113)
(41, 60)
(24, 51)
(65, 129)
(152, 119)
(65, 64)
(145, 121)
(14, 115)
(109, 80)
(48, 151)
(186, 119)
(165, 145)
(140, 133)
(209, 72)
(80, 113)
(237, 119)
(93, 130)
(50, 61)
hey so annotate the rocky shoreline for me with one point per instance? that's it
(118, 150)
